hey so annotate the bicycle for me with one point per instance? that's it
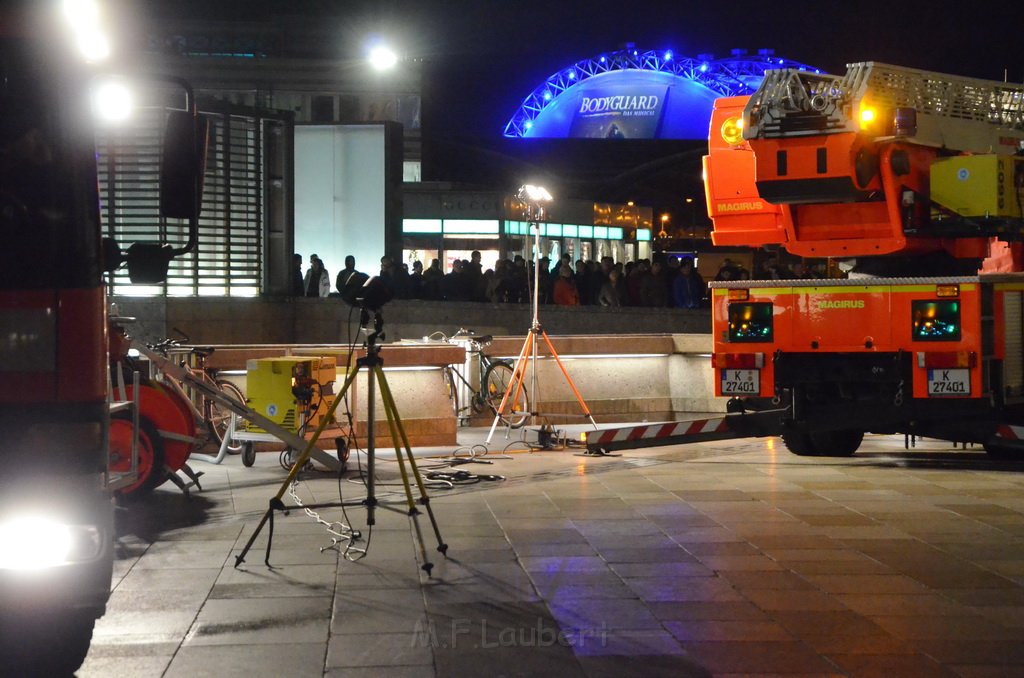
(205, 410)
(492, 375)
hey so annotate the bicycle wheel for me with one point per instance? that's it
(453, 390)
(496, 380)
(218, 417)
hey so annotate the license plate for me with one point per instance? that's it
(949, 383)
(741, 382)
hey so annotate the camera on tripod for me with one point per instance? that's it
(369, 294)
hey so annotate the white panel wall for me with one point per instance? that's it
(339, 195)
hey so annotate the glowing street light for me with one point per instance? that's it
(382, 58)
(83, 18)
(534, 195)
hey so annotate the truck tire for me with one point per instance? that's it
(799, 443)
(50, 644)
(823, 443)
(1003, 451)
(837, 443)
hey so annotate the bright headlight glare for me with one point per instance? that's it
(32, 543)
(112, 101)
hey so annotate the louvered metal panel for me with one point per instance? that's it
(228, 260)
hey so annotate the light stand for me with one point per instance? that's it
(534, 197)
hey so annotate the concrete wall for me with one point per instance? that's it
(628, 365)
(317, 321)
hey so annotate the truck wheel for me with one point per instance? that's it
(799, 443)
(824, 443)
(54, 644)
(1004, 451)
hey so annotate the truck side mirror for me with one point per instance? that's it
(183, 165)
(148, 262)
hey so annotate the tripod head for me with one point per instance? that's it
(378, 328)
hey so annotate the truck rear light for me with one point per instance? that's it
(737, 361)
(751, 322)
(947, 359)
(935, 320)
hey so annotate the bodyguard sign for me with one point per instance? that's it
(619, 111)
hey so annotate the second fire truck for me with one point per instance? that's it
(914, 182)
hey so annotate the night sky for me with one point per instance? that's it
(483, 58)
(516, 44)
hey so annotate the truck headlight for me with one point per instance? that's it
(37, 542)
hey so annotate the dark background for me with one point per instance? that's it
(481, 59)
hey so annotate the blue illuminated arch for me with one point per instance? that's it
(694, 83)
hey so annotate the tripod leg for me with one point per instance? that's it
(515, 384)
(396, 423)
(568, 379)
(275, 503)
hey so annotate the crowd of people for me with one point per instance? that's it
(665, 281)
(669, 282)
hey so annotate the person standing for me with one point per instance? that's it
(349, 275)
(613, 292)
(298, 283)
(565, 292)
(318, 282)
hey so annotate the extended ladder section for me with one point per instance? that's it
(922, 107)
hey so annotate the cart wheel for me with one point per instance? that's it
(248, 454)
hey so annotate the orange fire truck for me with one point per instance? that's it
(915, 182)
(56, 513)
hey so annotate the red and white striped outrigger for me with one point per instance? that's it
(745, 425)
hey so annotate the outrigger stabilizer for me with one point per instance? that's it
(738, 425)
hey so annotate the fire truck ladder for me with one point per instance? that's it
(952, 112)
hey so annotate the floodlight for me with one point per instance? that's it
(382, 58)
(534, 194)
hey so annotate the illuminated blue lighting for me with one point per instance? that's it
(736, 75)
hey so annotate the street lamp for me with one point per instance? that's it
(663, 233)
(382, 58)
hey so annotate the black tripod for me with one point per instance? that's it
(374, 377)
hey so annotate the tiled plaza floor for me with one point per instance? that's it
(727, 558)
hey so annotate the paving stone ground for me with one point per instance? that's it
(727, 558)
